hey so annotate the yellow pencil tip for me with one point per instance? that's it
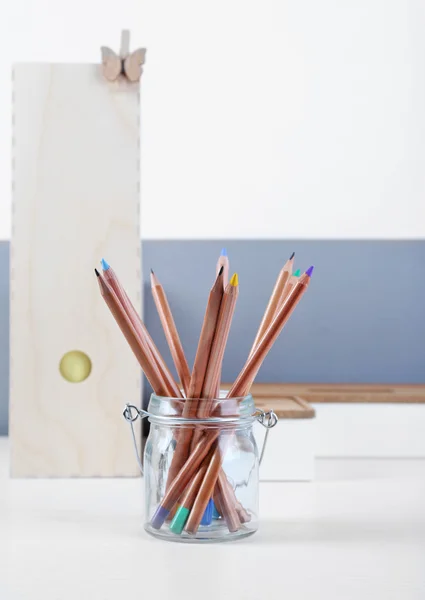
(234, 281)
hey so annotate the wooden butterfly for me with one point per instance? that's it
(130, 66)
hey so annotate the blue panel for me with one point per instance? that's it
(362, 320)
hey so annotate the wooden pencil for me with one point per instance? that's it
(221, 334)
(190, 407)
(186, 501)
(206, 490)
(244, 516)
(224, 322)
(140, 350)
(180, 482)
(223, 262)
(206, 337)
(270, 311)
(171, 332)
(205, 406)
(172, 389)
(229, 503)
(288, 287)
(243, 382)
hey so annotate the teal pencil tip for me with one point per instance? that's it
(179, 521)
(104, 264)
(223, 252)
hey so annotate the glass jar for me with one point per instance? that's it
(201, 475)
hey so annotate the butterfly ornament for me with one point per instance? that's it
(126, 64)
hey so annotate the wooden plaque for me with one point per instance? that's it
(76, 200)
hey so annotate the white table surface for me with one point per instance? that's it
(357, 532)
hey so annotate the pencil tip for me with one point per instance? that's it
(297, 273)
(223, 252)
(152, 272)
(234, 281)
(292, 256)
(97, 273)
(309, 271)
(104, 264)
(220, 271)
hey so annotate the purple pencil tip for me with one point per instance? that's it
(309, 271)
(159, 517)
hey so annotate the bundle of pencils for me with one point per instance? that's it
(196, 481)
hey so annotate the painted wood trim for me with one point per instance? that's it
(342, 393)
(286, 407)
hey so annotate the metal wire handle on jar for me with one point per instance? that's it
(267, 419)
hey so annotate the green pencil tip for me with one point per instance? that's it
(297, 273)
(179, 520)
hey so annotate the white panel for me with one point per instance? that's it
(370, 430)
(297, 119)
(76, 181)
(290, 451)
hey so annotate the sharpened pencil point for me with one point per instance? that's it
(223, 252)
(292, 256)
(152, 272)
(97, 273)
(104, 264)
(221, 271)
(297, 273)
(235, 280)
(309, 271)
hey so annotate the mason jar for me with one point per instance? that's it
(201, 474)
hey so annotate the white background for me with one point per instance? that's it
(267, 118)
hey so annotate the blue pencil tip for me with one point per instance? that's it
(309, 271)
(104, 264)
(223, 252)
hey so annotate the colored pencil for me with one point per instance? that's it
(270, 311)
(244, 516)
(209, 326)
(187, 500)
(221, 335)
(180, 482)
(210, 354)
(140, 349)
(288, 286)
(171, 333)
(198, 374)
(243, 382)
(223, 262)
(206, 490)
(172, 389)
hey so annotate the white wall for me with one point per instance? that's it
(291, 118)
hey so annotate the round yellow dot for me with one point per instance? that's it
(75, 366)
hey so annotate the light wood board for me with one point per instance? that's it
(76, 199)
(290, 407)
(341, 393)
